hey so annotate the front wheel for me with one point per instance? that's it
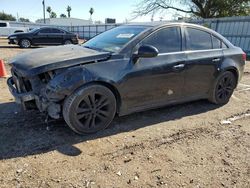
(89, 109)
(224, 88)
(25, 43)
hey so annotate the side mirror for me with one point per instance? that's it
(145, 51)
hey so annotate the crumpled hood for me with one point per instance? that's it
(46, 59)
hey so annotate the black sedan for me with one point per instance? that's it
(43, 36)
(127, 69)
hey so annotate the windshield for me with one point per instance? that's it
(113, 40)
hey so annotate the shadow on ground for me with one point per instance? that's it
(24, 133)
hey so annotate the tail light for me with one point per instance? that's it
(244, 56)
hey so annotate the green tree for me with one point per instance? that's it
(4, 16)
(63, 16)
(53, 15)
(91, 11)
(198, 8)
(68, 10)
(24, 20)
(49, 10)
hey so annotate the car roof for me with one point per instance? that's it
(162, 23)
(159, 24)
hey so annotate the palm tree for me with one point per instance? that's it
(53, 15)
(68, 10)
(91, 11)
(49, 10)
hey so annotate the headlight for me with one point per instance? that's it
(12, 37)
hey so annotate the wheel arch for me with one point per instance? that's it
(19, 40)
(234, 71)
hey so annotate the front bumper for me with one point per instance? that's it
(13, 41)
(20, 98)
(28, 99)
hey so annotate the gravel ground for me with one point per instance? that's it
(179, 146)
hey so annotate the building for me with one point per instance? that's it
(64, 21)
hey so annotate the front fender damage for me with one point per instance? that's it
(61, 86)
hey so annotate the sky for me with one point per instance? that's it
(119, 9)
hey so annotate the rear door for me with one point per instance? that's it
(204, 55)
(56, 36)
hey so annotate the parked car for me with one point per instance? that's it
(127, 69)
(43, 36)
(6, 29)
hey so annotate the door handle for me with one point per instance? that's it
(216, 60)
(180, 66)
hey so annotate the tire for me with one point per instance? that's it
(25, 43)
(67, 42)
(223, 88)
(89, 109)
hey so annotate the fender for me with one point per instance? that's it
(66, 82)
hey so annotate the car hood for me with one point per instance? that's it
(46, 59)
(18, 34)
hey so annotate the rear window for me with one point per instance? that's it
(3, 24)
(198, 40)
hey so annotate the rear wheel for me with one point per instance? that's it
(66, 42)
(224, 88)
(25, 43)
(89, 109)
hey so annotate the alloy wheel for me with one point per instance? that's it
(225, 87)
(25, 43)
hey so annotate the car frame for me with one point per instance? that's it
(97, 85)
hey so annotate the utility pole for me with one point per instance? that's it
(43, 11)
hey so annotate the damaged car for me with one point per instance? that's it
(127, 69)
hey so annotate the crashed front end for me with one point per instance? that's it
(32, 93)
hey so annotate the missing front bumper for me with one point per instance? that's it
(20, 98)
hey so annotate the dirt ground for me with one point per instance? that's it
(186, 145)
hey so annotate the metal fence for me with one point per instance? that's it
(235, 29)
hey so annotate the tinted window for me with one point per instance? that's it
(216, 42)
(198, 40)
(165, 40)
(3, 24)
(45, 31)
(223, 45)
(56, 31)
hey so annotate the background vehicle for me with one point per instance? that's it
(6, 29)
(127, 69)
(43, 36)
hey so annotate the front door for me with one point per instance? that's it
(156, 81)
(42, 36)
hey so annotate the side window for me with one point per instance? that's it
(165, 40)
(216, 42)
(45, 31)
(223, 45)
(56, 31)
(198, 40)
(3, 24)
